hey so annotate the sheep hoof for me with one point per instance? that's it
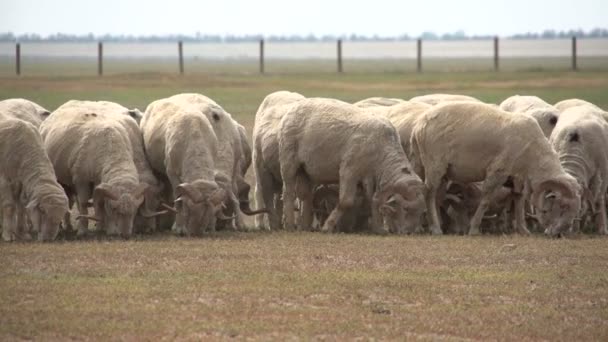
(436, 231)
(474, 232)
(7, 237)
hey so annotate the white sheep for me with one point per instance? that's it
(566, 104)
(378, 101)
(24, 110)
(581, 141)
(266, 155)
(26, 174)
(471, 142)
(145, 219)
(324, 141)
(229, 149)
(434, 99)
(93, 155)
(545, 114)
(182, 146)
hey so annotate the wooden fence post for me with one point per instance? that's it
(496, 53)
(419, 55)
(261, 56)
(574, 66)
(339, 55)
(18, 59)
(100, 58)
(180, 51)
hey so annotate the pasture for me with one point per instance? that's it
(287, 285)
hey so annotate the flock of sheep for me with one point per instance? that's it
(442, 163)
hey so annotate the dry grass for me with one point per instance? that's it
(309, 285)
(286, 285)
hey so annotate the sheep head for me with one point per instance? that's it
(200, 203)
(402, 205)
(46, 214)
(558, 202)
(116, 208)
(546, 118)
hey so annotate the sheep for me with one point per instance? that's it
(266, 155)
(378, 101)
(545, 114)
(145, 219)
(580, 140)
(229, 153)
(93, 155)
(566, 104)
(182, 146)
(325, 141)
(24, 110)
(245, 163)
(452, 141)
(434, 99)
(26, 174)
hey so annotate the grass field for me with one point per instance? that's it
(287, 285)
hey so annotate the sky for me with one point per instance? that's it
(319, 17)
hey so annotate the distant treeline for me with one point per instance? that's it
(198, 37)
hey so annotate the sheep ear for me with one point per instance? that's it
(186, 189)
(104, 190)
(135, 113)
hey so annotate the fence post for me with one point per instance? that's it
(574, 66)
(339, 55)
(419, 55)
(100, 58)
(180, 51)
(496, 53)
(261, 56)
(18, 59)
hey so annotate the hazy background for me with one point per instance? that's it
(320, 17)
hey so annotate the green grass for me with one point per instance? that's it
(286, 285)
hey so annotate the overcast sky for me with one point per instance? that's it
(383, 17)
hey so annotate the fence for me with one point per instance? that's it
(349, 56)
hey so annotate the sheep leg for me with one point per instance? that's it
(601, 215)
(289, 171)
(264, 194)
(8, 222)
(304, 193)
(433, 184)
(491, 186)
(23, 230)
(83, 193)
(348, 194)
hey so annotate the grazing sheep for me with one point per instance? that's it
(323, 141)
(229, 150)
(452, 141)
(92, 154)
(182, 145)
(545, 114)
(378, 101)
(145, 219)
(566, 104)
(581, 141)
(27, 176)
(434, 99)
(24, 110)
(266, 155)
